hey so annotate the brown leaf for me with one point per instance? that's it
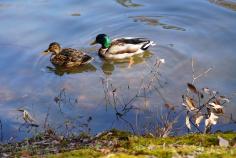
(25, 153)
(215, 105)
(215, 92)
(217, 101)
(212, 120)
(218, 109)
(187, 122)
(190, 103)
(206, 90)
(105, 150)
(198, 120)
(192, 88)
(170, 106)
(223, 98)
(27, 116)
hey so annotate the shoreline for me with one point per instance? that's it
(115, 143)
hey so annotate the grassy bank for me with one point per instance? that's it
(120, 144)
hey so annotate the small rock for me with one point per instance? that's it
(5, 155)
(151, 147)
(223, 142)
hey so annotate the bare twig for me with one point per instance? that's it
(199, 75)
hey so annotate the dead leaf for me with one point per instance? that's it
(152, 147)
(212, 120)
(187, 122)
(218, 111)
(25, 153)
(215, 92)
(105, 150)
(190, 103)
(28, 118)
(215, 106)
(207, 123)
(198, 120)
(206, 90)
(170, 106)
(217, 101)
(223, 98)
(223, 142)
(162, 61)
(192, 88)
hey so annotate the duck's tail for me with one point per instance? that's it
(87, 59)
(147, 45)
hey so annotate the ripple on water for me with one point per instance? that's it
(182, 30)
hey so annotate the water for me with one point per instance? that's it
(183, 29)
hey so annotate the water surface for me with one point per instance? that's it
(183, 29)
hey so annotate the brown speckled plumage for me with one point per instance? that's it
(67, 57)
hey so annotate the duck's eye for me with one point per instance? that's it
(55, 47)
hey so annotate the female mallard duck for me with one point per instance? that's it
(121, 48)
(67, 57)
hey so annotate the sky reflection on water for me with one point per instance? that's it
(182, 30)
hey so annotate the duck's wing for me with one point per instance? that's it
(129, 45)
(68, 52)
(74, 55)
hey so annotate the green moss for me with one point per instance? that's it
(218, 152)
(121, 135)
(81, 153)
(124, 155)
(205, 140)
(119, 144)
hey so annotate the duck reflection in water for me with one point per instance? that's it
(60, 71)
(108, 66)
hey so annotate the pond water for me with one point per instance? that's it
(78, 100)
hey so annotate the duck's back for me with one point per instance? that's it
(70, 57)
(127, 45)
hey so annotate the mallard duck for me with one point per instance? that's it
(121, 48)
(67, 57)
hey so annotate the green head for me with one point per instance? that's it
(104, 40)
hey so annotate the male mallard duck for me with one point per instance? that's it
(67, 57)
(121, 48)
